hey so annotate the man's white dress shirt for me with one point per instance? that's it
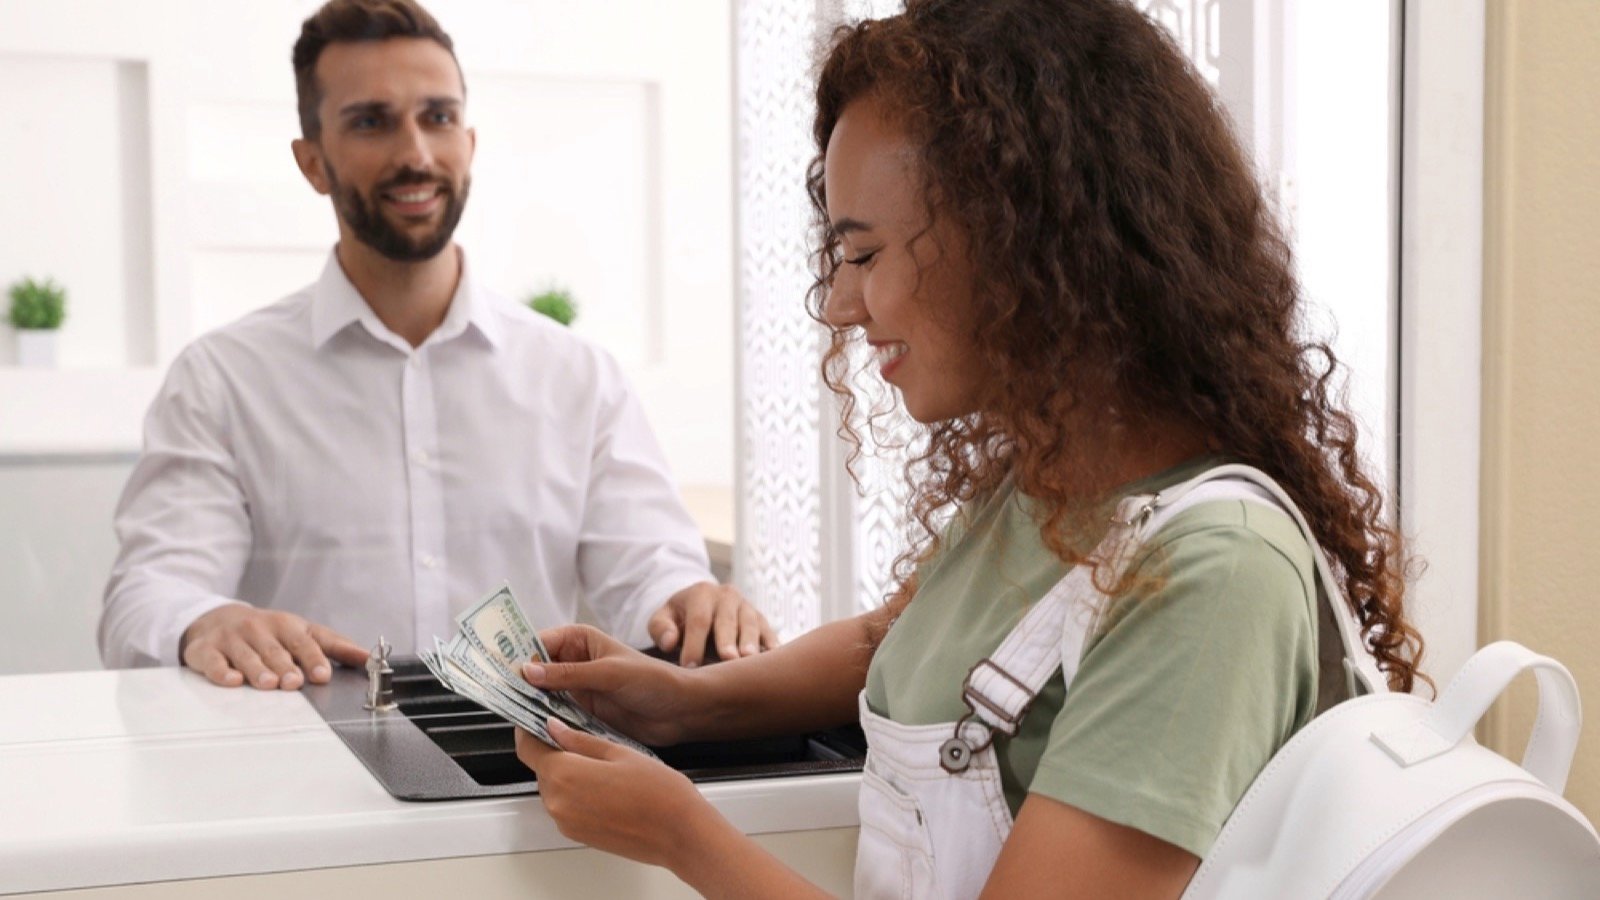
(306, 458)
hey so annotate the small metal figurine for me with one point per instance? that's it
(380, 679)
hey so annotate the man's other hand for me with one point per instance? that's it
(717, 611)
(238, 644)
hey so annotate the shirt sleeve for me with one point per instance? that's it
(1196, 680)
(637, 545)
(182, 524)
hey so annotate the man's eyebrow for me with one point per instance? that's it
(377, 107)
(847, 225)
(363, 107)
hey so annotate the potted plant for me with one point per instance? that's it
(555, 302)
(37, 309)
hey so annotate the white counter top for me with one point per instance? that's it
(111, 778)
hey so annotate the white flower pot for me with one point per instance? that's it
(36, 347)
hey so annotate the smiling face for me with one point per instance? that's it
(393, 152)
(904, 279)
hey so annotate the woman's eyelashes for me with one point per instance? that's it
(862, 259)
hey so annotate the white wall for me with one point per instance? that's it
(69, 198)
(148, 169)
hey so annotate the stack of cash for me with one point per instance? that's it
(483, 663)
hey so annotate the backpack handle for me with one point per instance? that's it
(1468, 696)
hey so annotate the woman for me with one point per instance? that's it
(1034, 213)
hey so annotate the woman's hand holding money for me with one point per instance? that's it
(647, 699)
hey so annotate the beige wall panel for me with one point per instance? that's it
(1541, 568)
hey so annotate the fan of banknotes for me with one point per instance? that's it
(483, 663)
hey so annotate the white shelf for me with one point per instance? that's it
(74, 412)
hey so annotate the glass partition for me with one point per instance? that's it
(650, 162)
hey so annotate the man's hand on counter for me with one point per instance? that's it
(267, 649)
(716, 611)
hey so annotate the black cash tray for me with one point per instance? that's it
(438, 746)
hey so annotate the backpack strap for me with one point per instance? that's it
(1251, 484)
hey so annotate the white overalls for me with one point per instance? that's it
(933, 815)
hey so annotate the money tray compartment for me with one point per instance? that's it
(438, 746)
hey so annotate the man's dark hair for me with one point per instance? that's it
(349, 21)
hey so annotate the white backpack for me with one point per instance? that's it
(1388, 795)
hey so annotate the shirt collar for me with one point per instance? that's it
(336, 304)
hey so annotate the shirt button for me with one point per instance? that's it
(430, 561)
(421, 457)
(416, 360)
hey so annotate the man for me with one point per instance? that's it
(369, 455)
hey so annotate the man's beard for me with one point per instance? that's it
(375, 230)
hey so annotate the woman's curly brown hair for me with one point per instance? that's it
(1126, 264)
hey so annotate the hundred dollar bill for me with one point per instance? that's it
(465, 686)
(486, 656)
(470, 659)
(504, 640)
(430, 658)
(495, 626)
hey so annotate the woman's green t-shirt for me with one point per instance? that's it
(1184, 692)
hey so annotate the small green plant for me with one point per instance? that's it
(557, 303)
(38, 305)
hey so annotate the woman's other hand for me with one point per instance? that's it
(615, 799)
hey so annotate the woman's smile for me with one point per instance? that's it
(888, 355)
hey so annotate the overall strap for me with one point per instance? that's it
(1000, 688)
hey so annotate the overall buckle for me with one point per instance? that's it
(1007, 722)
(956, 754)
